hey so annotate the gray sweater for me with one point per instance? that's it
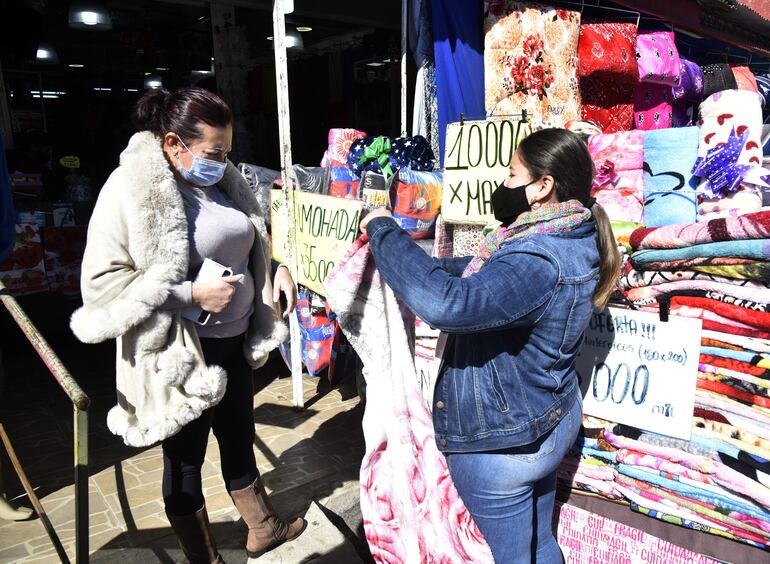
(219, 231)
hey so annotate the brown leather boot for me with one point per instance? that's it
(266, 530)
(195, 537)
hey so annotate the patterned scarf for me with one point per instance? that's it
(550, 218)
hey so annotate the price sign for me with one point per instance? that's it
(325, 228)
(477, 158)
(638, 370)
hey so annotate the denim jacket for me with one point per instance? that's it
(507, 375)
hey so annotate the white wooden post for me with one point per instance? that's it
(404, 33)
(284, 137)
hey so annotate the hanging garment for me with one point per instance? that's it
(690, 85)
(657, 57)
(530, 62)
(609, 104)
(653, 107)
(619, 182)
(458, 46)
(669, 186)
(744, 78)
(411, 509)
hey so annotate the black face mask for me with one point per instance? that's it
(510, 203)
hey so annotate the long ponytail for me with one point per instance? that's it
(609, 257)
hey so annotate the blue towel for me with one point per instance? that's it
(669, 186)
(743, 356)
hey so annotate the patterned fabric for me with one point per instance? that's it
(657, 57)
(619, 182)
(669, 187)
(340, 141)
(550, 218)
(745, 201)
(653, 107)
(763, 88)
(466, 239)
(749, 226)
(728, 111)
(607, 102)
(530, 61)
(413, 152)
(716, 78)
(608, 48)
(690, 85)
(744, 78)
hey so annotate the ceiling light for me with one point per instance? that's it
(153, 81)
(75, 66)
(293, 40)
(132, 90)
(269, 37)
(89, 15)
(161, 68)
(304, 28)
(47, 54)
(102, 89)
(201, 72)
(375, 64)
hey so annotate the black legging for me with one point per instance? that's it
(233, 423)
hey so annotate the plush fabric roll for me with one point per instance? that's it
(669, 186)
(744, 78)
(745, 200)
(717, 77)
(608, 48)
(731, 119)
(657, 57)
(690, 85)
(340, 140)
(653, 106)
(530, 62)
(619, 182)
(608, 103)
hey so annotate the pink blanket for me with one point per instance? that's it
(619, 182)
(412, 511)
(749, 226)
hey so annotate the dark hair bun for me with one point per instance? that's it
(149, 111)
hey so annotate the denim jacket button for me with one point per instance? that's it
(554, 415)
(442, 442)
(440, 404)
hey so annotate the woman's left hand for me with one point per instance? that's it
(284, 283)
(377, 212)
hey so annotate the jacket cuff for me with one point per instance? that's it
(378, 224)
(179, 296)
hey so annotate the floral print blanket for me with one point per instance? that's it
(411, 509)
(530, 61)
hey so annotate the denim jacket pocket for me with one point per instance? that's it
(497, 389)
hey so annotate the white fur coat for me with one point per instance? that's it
(137, 247)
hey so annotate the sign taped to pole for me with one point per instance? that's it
(478, 155)
(638, 370)
(325, 227)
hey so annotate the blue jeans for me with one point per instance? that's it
(510, 493)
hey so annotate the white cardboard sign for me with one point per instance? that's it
(638, 370)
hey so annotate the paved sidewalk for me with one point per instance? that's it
(313, 454)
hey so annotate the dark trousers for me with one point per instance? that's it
(232, 421)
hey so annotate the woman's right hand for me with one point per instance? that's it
(214, 295)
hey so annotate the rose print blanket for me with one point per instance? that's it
(411, 509)
(530, 61)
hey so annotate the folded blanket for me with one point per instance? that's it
(716, 349)
(622, 231)
(690, 85)
(746, 200)
(657, 57)
(749, 226)
(749, 317)
(742, 438)
(703, 288)
(638, 278)
(619, 182)
(340, 140)
(653, 107)
(742, 423)
(530, 62)
(756, 249)
(742, 342)
(744, 78)
(734, 365)
(735, 393)
(715, 322)
(740, 269)
(729, 405)
(683, 522)
(717, 78)
(582, 482)
(669, 186)
(608, 71)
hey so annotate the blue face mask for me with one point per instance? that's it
(202, 172)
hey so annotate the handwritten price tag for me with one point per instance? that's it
(637, 370)
(477, 159)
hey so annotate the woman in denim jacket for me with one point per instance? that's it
(507, 404)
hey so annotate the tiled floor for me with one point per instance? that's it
(318, 448)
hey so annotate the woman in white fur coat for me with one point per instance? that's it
(174, 202)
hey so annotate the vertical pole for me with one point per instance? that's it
(5, 114)
(81, 484)
(404, 32)
(284, 138)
